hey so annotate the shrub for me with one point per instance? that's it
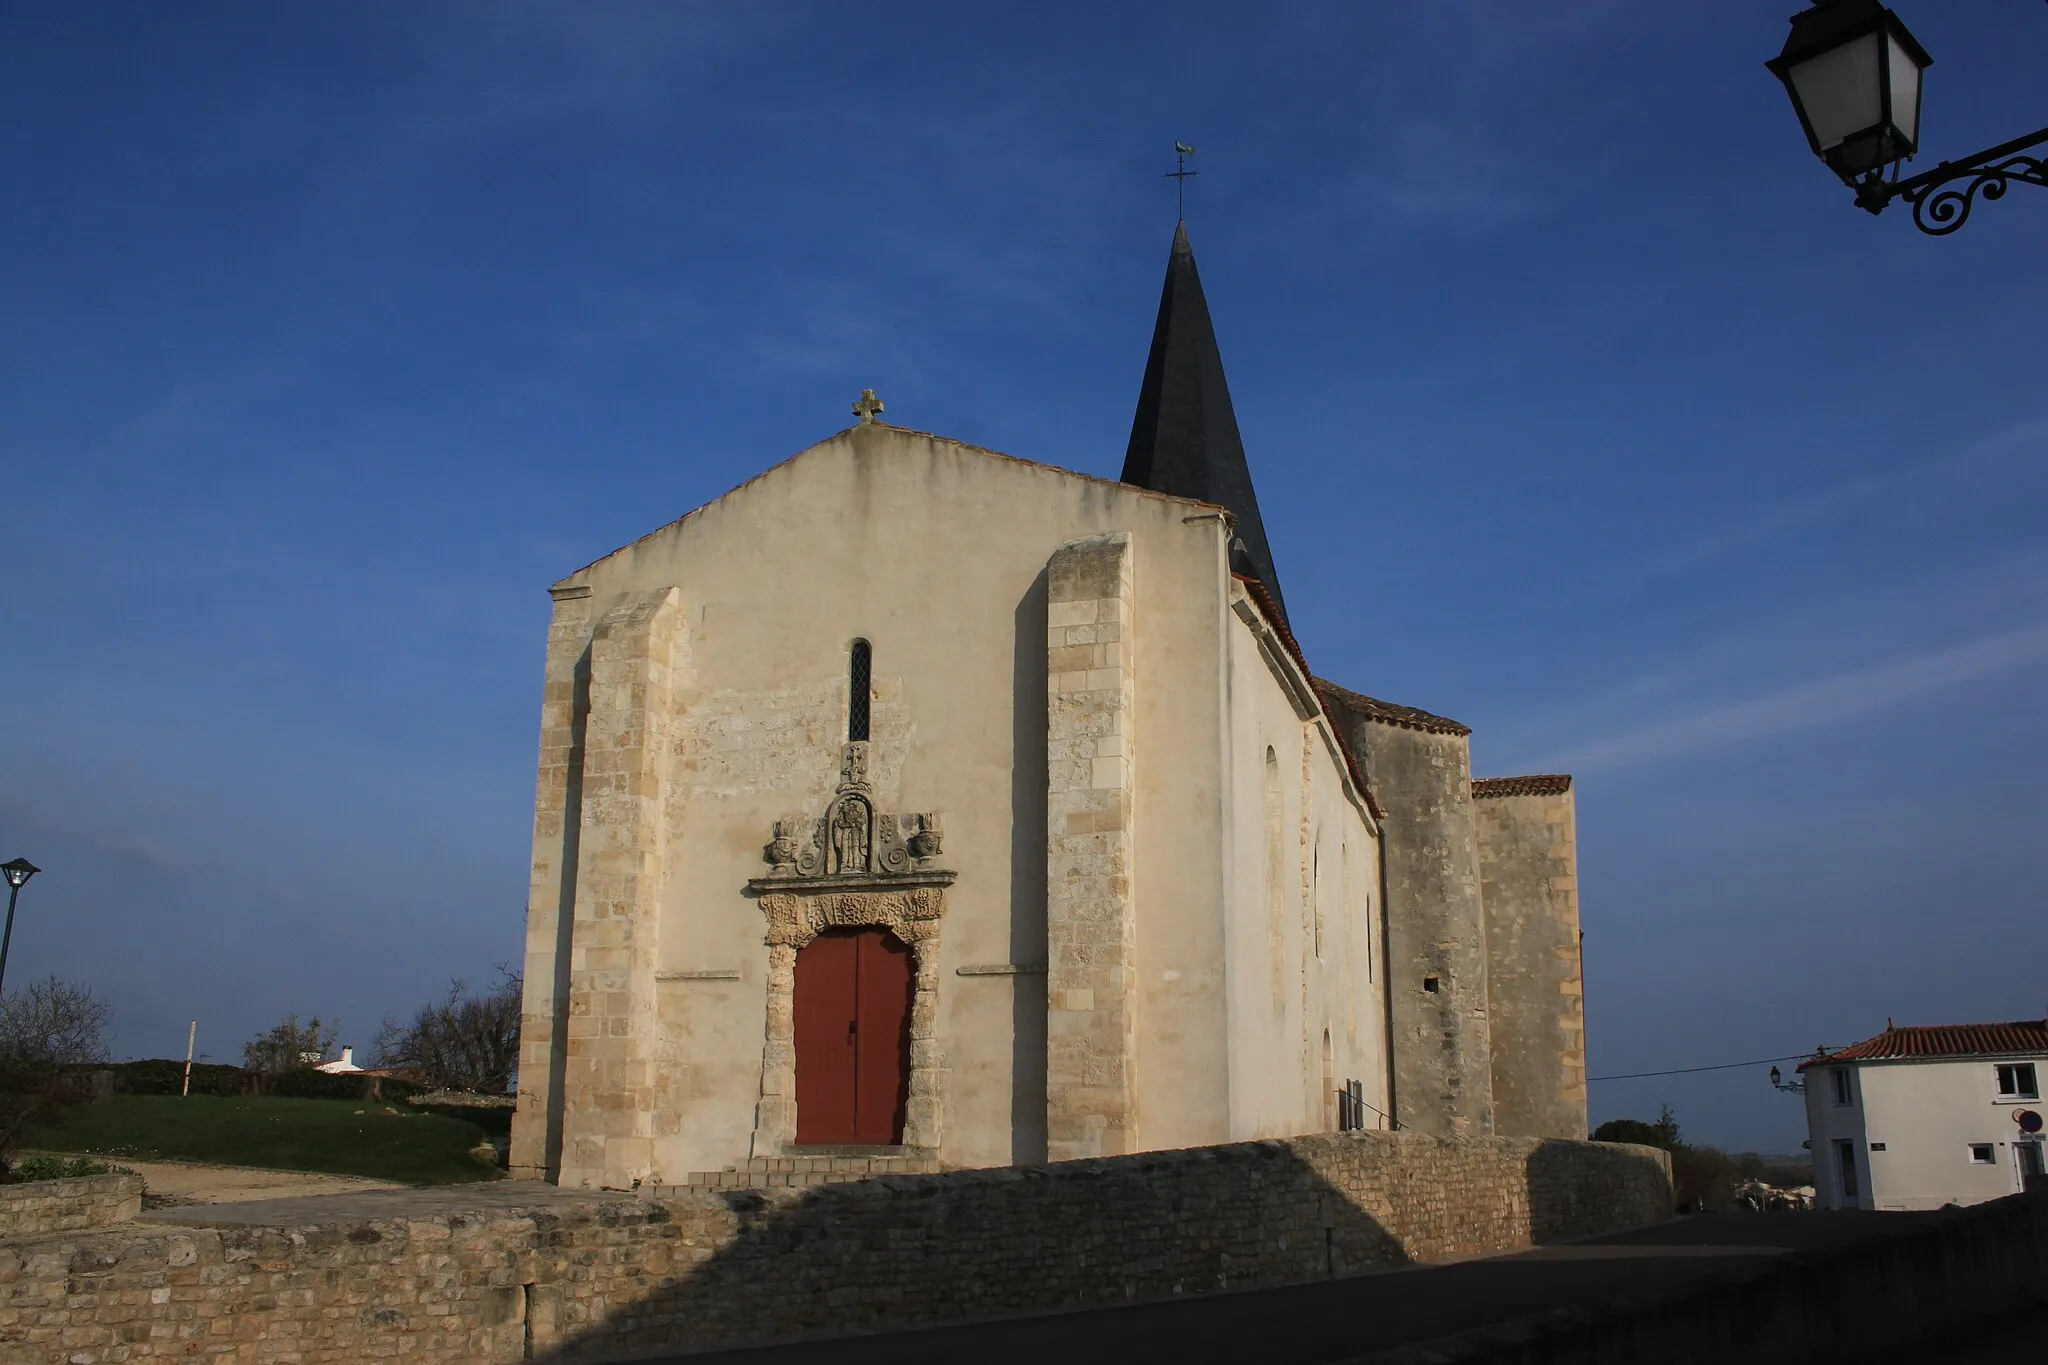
(60, 1168)
(1702, 1178)
(1663, 1133)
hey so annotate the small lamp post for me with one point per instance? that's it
(17, 873)
(1853, 71)
(1779, 1082)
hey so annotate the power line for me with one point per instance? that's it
(1689, 1070)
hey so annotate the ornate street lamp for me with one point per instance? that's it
(17, 873)
(1778, 1081)
(1853, 72)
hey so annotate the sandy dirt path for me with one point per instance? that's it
(193, 1182)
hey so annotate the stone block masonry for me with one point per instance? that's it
(43, 1206)
(1528, 867)
(557, 827)
(614, 1095)
(1420, 767)
(1090, 917)
(569, 1277)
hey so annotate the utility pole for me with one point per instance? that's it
(191, 1036)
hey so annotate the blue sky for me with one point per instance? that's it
(1584, 407)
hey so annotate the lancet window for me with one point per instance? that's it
(859, 672)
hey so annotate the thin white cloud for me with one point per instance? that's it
(1825, 701)
(1814, 509)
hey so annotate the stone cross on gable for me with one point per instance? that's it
(867, 406)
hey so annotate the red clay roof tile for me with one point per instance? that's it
(2021, 1038)
(1387, 713)
(1541, 784)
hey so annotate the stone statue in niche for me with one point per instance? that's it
(850, 835)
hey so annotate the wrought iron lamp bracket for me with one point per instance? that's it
(1943, 197)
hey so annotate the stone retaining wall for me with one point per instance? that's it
(571, 1279)
(43, 1206)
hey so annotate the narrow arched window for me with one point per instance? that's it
(860, 667)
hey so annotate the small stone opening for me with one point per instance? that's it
(1431, 984)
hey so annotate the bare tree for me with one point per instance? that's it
(288, 1045)
(49, 1026)
(463, 1042)
(52, 1023)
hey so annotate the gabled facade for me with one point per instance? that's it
(1921, 1117)
(920, 802)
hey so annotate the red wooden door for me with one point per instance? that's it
(882, 1069)
(852, 1038)
(826, 1024)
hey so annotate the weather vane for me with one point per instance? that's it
(1180, 173)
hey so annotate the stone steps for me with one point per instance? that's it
(803, 1172)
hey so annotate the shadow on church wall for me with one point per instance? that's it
(565, 913)
(750, 1267)
(1027, 877)
(900, 1252)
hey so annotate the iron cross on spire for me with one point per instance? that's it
(1180, 173)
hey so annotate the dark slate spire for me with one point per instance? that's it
(1184, 438)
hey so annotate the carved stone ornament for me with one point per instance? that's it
(852, 839)
(854, 867)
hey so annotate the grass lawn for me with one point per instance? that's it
(346, 1137)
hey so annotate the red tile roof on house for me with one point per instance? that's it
(1542, 784)
(2025, 1037)
(1387, 713)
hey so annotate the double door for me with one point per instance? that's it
(853, 991)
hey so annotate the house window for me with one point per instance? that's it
(860, 666)
(1845, 1162)
(2016, 1081)
(1839, 1078)
(1981, 1154)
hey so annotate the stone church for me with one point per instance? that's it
(923, 804)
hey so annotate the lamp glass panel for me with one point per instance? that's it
(1841, 89)
(1905, 77)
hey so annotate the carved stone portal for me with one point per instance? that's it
(854, 868)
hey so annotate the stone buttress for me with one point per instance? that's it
(1529, 880)
(1090, 914)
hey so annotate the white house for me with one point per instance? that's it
(1916, 1118)
(346, 1065)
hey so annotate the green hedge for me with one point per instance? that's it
(309, 1084)
(166, 1076)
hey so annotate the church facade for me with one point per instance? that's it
(916, 800)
